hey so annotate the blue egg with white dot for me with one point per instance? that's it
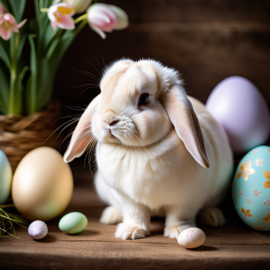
(5, 178)
(251, 188)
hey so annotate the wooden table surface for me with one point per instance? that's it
(234, 246)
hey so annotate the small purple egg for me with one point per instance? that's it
(237, 104)
(38, 229)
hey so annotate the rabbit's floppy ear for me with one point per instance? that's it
(185, 121)
(81, 136)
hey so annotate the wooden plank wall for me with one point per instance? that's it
(206, 40)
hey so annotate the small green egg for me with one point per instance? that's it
(72, 223)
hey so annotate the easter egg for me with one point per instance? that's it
(42, 185)
(38, 229)
(5, 177)
(237, 104)
(191, 238)
(251, 188)
(74, 222)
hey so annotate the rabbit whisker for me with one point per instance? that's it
(99, 67)
(87, 84)
(94, 68)
(68, 123)
(88, 74)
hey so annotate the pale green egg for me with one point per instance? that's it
(5, 177)
(72, 223)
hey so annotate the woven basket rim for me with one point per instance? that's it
(21, 134)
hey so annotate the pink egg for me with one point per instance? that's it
(237, 104)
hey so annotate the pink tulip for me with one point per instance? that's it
(60, 16)
(1, 10)
(104, 17)
(8, 24)
(101, 18)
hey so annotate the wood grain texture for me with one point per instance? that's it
(235, 246)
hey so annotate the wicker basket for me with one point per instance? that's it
(19, 135)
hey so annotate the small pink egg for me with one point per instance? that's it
(191, 238)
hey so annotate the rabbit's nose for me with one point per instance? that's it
(112, 123)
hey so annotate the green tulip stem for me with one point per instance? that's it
(14, 105)
(44, 10)
(81, 18)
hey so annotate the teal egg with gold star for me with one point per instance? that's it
(251, 188)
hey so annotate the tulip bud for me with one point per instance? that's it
(79, 6)
(105, 18)
(121, 17)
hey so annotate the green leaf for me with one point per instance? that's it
(52, 47)
(5, 5)
(33, 59)
(4, 92)
(37, 10)
(21, 86)
(64, 44)
(17, 9)
(21, 76)
(42, 17)
(21, 46)
(5, 44)
(11, 45)
(4, 56)
(48, 38)
(32, 82)
(15, 98)
(45, 89)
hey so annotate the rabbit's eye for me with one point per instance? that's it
(143, 99)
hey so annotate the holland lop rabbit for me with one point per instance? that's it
(159, 152)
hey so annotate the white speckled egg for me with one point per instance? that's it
(38, 229)
(191, 238)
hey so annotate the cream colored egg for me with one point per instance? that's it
(42, 185)
(191, 238)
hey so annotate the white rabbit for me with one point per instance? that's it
(158, 151)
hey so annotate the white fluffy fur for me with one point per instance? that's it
(145, 168)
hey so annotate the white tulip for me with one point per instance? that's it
(79, 6)
(121, 16)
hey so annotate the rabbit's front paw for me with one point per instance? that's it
(212, 216)
(111, 215)
(174, 231)
(127, 231)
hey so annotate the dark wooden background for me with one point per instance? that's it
(206, 40)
